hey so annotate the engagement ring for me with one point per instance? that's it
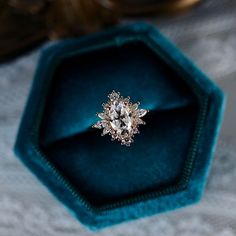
(120, 118)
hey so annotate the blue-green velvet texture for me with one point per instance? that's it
(102, 182)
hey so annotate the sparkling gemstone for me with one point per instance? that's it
(113, 96)
(120, 117)
(141, 112)
(99, 124)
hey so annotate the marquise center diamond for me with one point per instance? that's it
(121, 117)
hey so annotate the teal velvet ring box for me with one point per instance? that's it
(102, 182)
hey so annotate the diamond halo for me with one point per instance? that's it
(120, 118)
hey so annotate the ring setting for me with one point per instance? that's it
(120, 118)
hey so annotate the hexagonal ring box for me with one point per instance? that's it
(102, 182)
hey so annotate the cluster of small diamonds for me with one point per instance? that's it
(120, 118)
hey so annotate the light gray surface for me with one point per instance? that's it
(208, 36)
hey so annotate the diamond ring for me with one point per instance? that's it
(120, 118)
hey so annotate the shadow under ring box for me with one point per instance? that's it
(102, 182)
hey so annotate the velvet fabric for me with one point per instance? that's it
(102, 182)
